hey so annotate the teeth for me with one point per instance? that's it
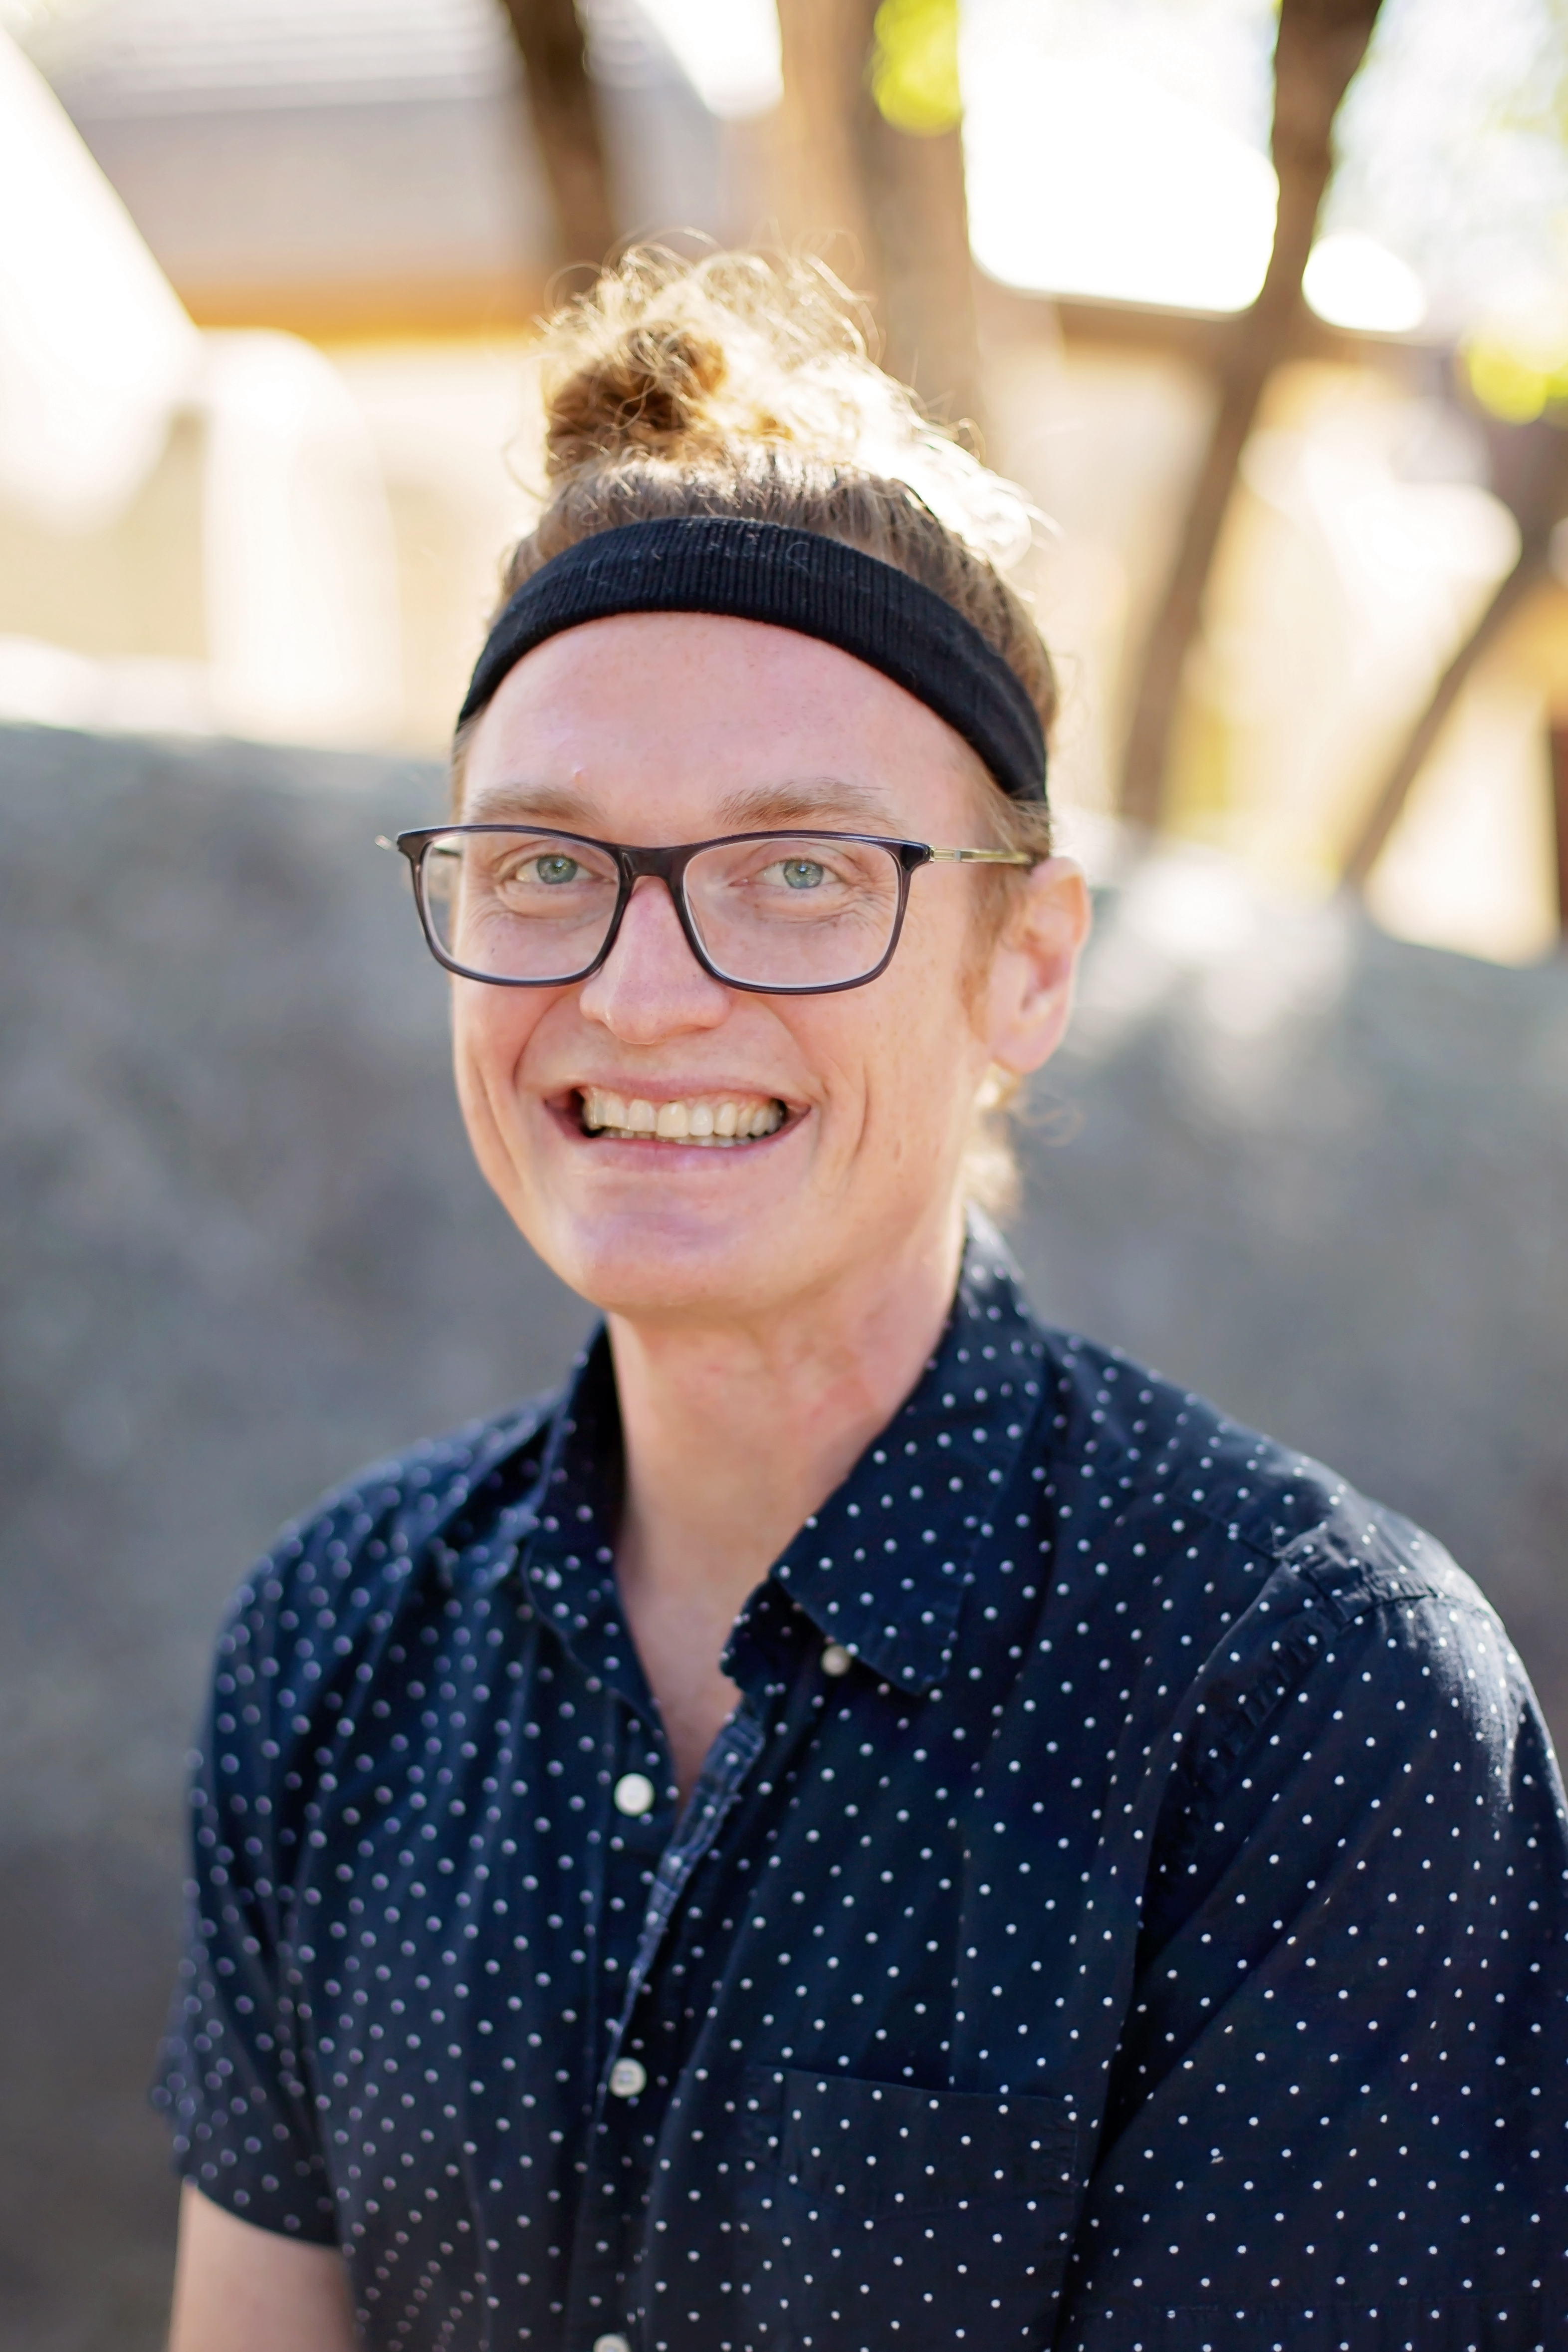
(710, 1120)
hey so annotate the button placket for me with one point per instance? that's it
(634, 1794)
(731, 1757)
(628, 2078)
(624, 2078)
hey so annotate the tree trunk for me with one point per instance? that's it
(1320, 43)
(566, 124)
(886, 207)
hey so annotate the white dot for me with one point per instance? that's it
(634, 1793)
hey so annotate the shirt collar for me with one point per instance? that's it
(567, 1558)
(883, 1566)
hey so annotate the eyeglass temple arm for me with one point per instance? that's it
(986, 857)
(384, 842)
(953, 856)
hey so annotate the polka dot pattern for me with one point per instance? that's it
(1125, 1912)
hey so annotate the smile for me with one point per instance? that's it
(719, 1121)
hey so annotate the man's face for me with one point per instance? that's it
(654, 729)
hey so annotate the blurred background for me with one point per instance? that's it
(1266, 308)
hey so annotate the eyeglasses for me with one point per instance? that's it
(783, 914)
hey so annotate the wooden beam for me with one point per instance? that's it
(885, 207)
(823, 48)
(1201, 339)
(549, 34)
(1559, 748)
(917, 201)
(367, 308)
(1388, 800)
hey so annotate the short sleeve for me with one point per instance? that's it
(1339, 2114)
(237, 2075)
(232, 2076)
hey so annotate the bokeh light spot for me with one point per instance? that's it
(914, 65)
(1354, 281)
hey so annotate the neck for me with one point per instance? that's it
(735, 1433)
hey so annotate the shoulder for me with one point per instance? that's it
(1136, 1446)
(1291, 1651)
(1250, 1563)
(388, 1539)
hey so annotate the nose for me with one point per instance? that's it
(651, 986)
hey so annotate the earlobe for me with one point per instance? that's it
(1035, 967)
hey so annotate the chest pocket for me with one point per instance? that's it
(882, 2218)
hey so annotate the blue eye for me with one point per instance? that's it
(556, 868)
(802, 874)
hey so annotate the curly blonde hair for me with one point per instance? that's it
(737, 384)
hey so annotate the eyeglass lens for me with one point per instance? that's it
(787, 912)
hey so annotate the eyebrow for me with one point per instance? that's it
(541, 804)
(810, 800)
(816, 796)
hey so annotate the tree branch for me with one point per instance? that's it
(1530, 467)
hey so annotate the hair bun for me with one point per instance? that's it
(649, 390)
(740, 384)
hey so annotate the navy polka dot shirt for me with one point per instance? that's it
(1125, 1912)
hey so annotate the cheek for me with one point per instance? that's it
(938, 973)
(907, 1056)
(491, 1031)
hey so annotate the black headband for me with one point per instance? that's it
(795, 580)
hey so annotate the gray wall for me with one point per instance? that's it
(244, 1252)
(1321, 1175)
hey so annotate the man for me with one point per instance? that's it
(865, 1822)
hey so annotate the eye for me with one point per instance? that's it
(801, 873)
(555, 867)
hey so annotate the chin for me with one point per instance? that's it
(671, 1264)
(654, 1231)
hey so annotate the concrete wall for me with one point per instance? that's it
(1323, 1176)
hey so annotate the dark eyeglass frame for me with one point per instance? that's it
(669, 866)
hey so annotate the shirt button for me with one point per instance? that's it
(611, 2344)
(836, 1659)
(634, 1793)
(628, 2076)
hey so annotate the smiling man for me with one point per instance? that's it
(863, 1824)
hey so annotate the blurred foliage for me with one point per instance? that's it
(1452, 150)
(914, 65)
(1521, 375)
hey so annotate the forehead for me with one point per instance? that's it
(656, 723)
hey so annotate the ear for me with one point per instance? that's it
(1029, 996)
